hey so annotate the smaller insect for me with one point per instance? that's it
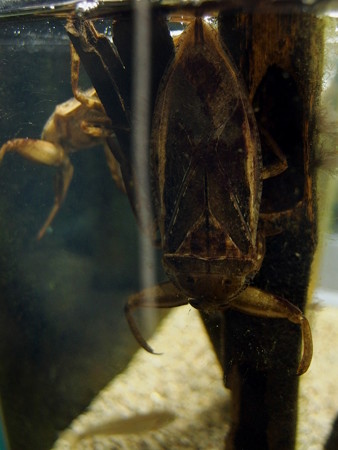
(74, 125)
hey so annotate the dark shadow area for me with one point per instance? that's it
(332, 441)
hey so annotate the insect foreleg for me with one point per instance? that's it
(164, 295)
(258, 303)
(99, 127)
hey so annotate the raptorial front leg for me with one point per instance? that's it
(164, 295)
(258, 303)
(44, 152)
(99, 128)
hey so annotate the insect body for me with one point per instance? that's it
(73, 126)
(207, 175)
(208, 161)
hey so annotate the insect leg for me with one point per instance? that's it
(89, 101)
(272, 170)
(98, 128)
(263, 304)
(164, 295)
(273, 223)
(114, 168)
(44, 152)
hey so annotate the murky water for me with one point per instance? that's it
(63, 333)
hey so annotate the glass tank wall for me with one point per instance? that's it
(64, 338)
(62, 297)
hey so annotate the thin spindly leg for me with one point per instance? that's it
(258, 303)
(90, 101)
(164, 295)
(276, 222)
(114, 168)
(44, 152)
(279, 166)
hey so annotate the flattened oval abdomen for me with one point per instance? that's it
(207, 150)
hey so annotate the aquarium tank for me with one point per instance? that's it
(168, 224)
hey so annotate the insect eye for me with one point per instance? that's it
(227, 282)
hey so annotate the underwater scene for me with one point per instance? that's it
(197, 168)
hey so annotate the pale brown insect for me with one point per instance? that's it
(74, 125)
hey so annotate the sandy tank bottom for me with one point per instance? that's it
(178, 398)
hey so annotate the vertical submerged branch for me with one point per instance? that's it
(140, 136)
(279, 53)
